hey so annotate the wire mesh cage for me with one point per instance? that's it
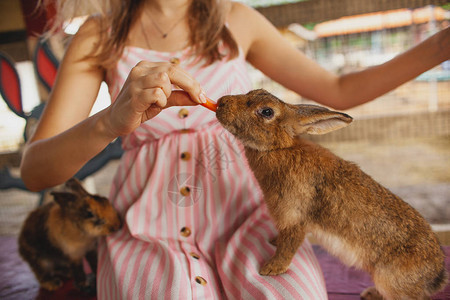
(358, 42)
(314, 11)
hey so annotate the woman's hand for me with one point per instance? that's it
(147, 90)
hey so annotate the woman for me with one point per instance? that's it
(195, 226)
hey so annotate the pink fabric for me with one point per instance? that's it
(230, 227)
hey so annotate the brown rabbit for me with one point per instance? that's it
(309, 189)
(57, 236)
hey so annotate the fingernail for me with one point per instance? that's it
(202, 97)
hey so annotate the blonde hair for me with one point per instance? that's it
(206, 24)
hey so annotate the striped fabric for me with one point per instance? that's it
(195, 224)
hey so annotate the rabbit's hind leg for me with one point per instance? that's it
(398, 284)
(371, 293)
(45, 272)
(51, 274)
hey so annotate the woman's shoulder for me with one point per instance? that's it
(87, 42)
(241, 14)
(90, 31)
(239, 11)
(246, 24)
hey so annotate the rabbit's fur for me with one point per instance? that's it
(309, 189)
(57, 236)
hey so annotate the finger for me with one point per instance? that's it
(154, 75)
(150, 113)
(186, 82)
(157, 79)
(152, 97)
(150, 75)
(180, 98)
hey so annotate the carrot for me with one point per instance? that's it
(211, 105)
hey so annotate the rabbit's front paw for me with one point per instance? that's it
(52, 284)
(88, 287)
(371, 293)
(273, 267)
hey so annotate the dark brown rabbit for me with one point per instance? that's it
(309, 189)
(57, 236)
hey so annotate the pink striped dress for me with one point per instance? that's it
(195, 223)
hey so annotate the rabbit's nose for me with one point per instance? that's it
(115, 227)
(116, 224)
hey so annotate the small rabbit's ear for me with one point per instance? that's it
(314, 119)
(63, 198)
(74, 185)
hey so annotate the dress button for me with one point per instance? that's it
(200, 280)
(183, 113)
(175, 60)
(185, 191)
(185, 156)
(194, 255)
(185, 231)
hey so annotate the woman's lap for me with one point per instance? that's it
(131, 268)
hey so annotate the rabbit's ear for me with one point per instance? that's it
(312, 119)
(63, 198)
(75, 185)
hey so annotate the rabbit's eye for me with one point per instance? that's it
(266, 112)
(88, 214)
(99, 222)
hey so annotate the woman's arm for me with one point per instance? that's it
(66, 138)
(55, 151)
(274, 56)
